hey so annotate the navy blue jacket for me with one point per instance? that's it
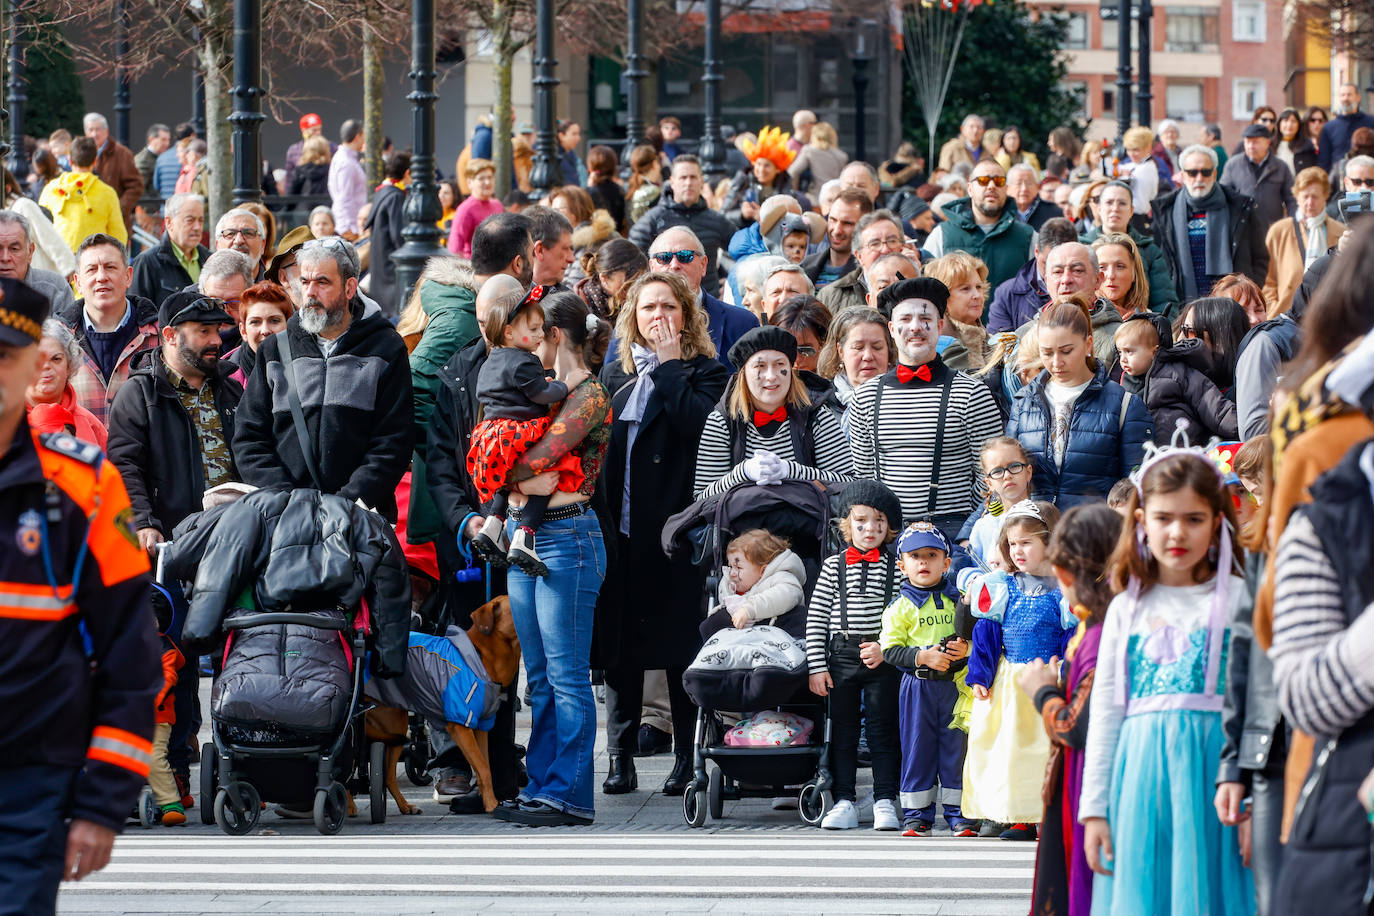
(1017, 300)
(1334, 142)
(724, 322)
(1105, 442)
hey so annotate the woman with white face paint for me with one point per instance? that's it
(931, 420)
(768, 427)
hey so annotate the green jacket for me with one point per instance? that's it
(1004, 249)
(1163, 297)
(448, 296)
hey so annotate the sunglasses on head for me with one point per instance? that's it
(683, 257)
(985, 180)
(1199, 173)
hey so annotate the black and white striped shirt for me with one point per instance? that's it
(900, 452)
(1321, 663)
(868, 589)
(717, 472)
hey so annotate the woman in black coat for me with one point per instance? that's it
(663, 385)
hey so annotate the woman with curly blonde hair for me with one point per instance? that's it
(965, 344)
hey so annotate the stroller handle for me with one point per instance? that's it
(246, 621)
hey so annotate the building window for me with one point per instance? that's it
(1079, 90)
(1183, 101)
(1108, 100)
(1246, 96)
(1077, 36)
(1247, 20)
(1191, 29)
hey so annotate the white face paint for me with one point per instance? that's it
(916, 326)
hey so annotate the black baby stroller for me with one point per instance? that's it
(771, 674)
(297, 594)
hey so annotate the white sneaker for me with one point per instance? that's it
(885, 815)
(785, 803)
(843, 816)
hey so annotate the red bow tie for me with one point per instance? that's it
(852, 556)
(906, 373)
(763, 419)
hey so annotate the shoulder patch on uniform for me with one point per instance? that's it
(124, 524)
(72, 447)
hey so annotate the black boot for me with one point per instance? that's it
(677, 780)
(621, 778)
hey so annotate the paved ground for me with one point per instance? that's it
(639, 857)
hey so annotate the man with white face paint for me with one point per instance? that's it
(919, 428)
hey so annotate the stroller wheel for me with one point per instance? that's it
(694, 806)
(417, 754)
(147, 808)
(376, 782)
(237, 808)
(209, 761)
(417, 773)
(716, 793)
(813, 803)
(331, 808)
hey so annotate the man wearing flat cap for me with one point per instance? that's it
(80, 668)
(172, 423)
(919, 428)
(1261, 176)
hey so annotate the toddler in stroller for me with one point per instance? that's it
(753, 662)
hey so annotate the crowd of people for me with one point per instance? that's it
(1117, 408)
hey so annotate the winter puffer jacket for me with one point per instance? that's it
(1108, 429)
(1177, 390)
(296, 549)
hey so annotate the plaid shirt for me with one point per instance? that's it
(92, 391)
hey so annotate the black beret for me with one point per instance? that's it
(764, 338)
(1256, 130)
(928, 288)
(875, 495)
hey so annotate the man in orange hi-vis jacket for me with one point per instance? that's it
(79, 667)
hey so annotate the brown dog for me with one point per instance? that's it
(493, 635)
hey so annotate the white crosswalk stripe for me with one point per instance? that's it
(803, 865)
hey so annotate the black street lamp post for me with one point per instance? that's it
(861, 53)
(544, 173)
(422, 209)
(634, 75)
(247, 117)
(712, 152)
(122, 105)
(17, 159)
(1123, 69)
(1143, 97)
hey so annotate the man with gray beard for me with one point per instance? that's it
(350, 380)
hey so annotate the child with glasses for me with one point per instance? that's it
(1007, 470)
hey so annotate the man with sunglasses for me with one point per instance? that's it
(679, 251)
(683, 205)
(1264, 178)
(985, 225)
(1207, 230)
(1357, 176)
(1346, 118)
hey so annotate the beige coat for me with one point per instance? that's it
(1286, 262)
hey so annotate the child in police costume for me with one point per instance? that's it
(920, 637)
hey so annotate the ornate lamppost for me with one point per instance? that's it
(247, 117)
(861, 52)
(544, 174)
(422, 209)
(17, 159)
(712, 151)
(634, 75)
(122, 105)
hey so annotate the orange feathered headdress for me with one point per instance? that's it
(772, 146)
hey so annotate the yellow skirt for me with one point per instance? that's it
(1008, 751)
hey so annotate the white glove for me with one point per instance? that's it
(754, 467)
(774, 468)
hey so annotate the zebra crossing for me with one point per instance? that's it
(381, 870)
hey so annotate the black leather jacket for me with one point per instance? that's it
(1255, 736)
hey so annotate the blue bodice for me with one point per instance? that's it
(1031, 626)
(1170, 661)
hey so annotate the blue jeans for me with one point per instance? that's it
(33, 836)
(553, 617)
